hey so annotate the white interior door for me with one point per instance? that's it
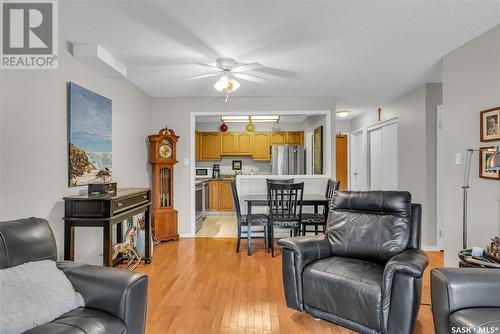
(357, 168)
(383, 157)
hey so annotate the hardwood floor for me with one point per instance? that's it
(200, 285)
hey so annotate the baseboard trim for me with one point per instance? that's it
(428, 248)
(185, 235)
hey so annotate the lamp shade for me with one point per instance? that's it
(493, 162)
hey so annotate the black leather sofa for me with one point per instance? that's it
(115, 300)
(465, 299)
(365, 273)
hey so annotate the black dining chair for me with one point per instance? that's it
(260, 220)
(319, 219)
(285, 208)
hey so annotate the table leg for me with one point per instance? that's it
(69, 239)
(107, 245)
(147, 241)
(249, 228)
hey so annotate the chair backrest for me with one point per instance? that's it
(26, 240)
(285, 201)
(279, 181)
(236, 200)
(331, 187)
(371, 225)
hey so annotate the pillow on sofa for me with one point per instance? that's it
(33, 294)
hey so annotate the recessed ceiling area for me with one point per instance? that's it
(362, 52)
(282, 118)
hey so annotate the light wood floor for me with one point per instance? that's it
(200, 285)
(219, 227)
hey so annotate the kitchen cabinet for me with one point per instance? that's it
(244, 143)
(295, 138)
(278, 138)
(220, 195)
(261, 146)
(210, 146)
(197, 146)
(229, 143)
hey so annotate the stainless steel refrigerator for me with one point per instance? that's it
(288, 160)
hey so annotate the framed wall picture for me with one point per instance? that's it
(318, 151)
(485, 153)
(490, 124)
(89, 136)
(237, 164)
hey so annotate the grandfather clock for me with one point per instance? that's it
(162, 159)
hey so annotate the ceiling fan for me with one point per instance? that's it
(229, 69)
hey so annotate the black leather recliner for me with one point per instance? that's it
(465, 300)
(365, 273)
(115, 300)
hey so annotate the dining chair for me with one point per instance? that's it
(285, 208)
(257, 220)
(319, 219)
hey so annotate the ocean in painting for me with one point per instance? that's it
(89, 135)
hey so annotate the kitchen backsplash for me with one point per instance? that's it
(249, 166)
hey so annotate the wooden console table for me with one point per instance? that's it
(105, 211)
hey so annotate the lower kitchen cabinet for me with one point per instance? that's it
(220, 195)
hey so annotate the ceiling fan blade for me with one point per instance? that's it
(277, 72)
(209, 66)
(248, 77)
(246, 67)
(203, 76)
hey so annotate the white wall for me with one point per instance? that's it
(471, 83)
(416, 111)
(1, 151)
(343, 126)
(34, 173)
(175, 113)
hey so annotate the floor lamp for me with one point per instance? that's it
(492, 165)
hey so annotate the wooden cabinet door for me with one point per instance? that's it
(261, 146)
(278, 138)
(228, 143)
(244, 142)
(197, 145)
(210, 146)
(225, 196)
(213, 195)
(295, 138)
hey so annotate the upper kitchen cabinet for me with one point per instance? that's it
(229, 143)
(210, 146)
(197, 145)
(278, 138)
(244, 143)
(261, 146)
(295, 138)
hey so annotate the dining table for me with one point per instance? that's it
(259, 200)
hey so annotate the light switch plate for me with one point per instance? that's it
(458, 158)
(186, 162)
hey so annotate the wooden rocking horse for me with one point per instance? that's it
(127, 247)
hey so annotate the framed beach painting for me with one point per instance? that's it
(490, 124)
(89, 135)
(318, 151)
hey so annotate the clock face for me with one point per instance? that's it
(165, 149)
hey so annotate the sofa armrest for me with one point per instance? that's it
(410, 262)
(298, 252)
(453, 289)
(121, 293)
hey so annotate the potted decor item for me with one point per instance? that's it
(223, 127)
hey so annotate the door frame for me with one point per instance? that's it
(328, 142)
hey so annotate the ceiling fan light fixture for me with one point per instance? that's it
(343, 113)
(226, 84)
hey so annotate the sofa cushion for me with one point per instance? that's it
(372, 226)
(83, 321)
(348, 288)
(487, 317)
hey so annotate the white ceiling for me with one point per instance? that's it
(365, 53)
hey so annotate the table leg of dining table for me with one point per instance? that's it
(249, 228)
